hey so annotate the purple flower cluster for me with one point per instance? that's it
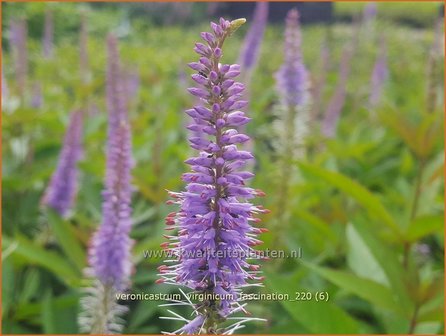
(253, 40)
(109, 254)
(212, 218)
(61, 191)
(292, 77)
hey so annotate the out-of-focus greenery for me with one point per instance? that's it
(410, 13)
(350, 203)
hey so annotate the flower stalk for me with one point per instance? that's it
(292, 86)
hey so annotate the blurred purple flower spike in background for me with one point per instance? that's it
(61, 191)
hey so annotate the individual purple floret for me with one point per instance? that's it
(292, 77)
(253, 40)
(110, 246)
(61, 191)
(379, 76)
(48, 34)
(215, 237)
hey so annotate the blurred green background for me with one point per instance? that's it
(365, 207)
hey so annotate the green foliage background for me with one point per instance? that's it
(350, 202)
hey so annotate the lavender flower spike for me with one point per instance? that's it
(253, 40)
(336, 103)
(379, 76)
(215, 238)
(110, 250)
(292, 77)
(292, 114)
(61, 191)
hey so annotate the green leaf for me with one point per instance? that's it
(423, 226)
(318, 317)
(31, 284)
(7, 286)
(389, 263)
(366, 289)
(67, 239)
(317, 223)
(363, 196)
(361, 260)
(36, 255)
(48, 313)
(140, 315)
(26, 311)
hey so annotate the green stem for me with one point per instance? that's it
(413, 321)
(415, 204)
(285, 174)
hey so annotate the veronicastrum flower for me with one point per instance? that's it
(110, 250)
(215, 237)
(61, 191)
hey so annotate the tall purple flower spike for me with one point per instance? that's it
(48, 35)
(336, 103)
(292, 77)
(379, 76)
(61, 191)
(320, 81)
(215, 238)
(110, 248)
(253, 40)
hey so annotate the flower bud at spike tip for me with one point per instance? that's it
(236, 24)
(215, 215)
